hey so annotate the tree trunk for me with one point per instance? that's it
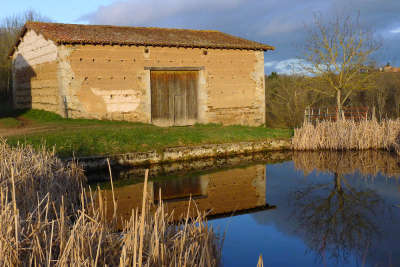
(338, 104)
(338, 183)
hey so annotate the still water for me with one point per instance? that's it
(305, 209)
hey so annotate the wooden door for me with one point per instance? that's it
(174, 97)
(182, 188)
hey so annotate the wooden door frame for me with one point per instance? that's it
(200, 70)
(174, 68)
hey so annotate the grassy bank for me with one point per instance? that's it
(347, 135)
(48, 219)
(94, 137)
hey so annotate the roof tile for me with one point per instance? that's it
(147, 36)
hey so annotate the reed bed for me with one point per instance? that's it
(367, 162)
(47, 218)
(37, 175)
(347, 135)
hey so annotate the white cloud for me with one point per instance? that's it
(270, 63)
(287, 66)
(139, 12)
(396, 30)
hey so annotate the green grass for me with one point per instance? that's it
(9, 122)
(82, 137)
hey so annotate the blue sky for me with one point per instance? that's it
(60, 11)
(275, 22)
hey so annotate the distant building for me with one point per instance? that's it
(151, 75)
(389, 68)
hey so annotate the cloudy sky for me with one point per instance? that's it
(275, 22)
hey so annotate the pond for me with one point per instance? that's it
(300, 209)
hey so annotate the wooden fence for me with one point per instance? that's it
(331, 114)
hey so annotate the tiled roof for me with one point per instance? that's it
(118, 35)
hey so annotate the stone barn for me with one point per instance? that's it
(150, 75)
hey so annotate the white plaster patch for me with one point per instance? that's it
(120, 100)
(204, 181)
(34, 49)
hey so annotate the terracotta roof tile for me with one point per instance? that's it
(118, 35)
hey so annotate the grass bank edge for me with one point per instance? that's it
(86, 137)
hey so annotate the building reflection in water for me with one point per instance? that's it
(222, 193)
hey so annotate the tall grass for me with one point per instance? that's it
(47, 218)
(39, 175)
(347, 135)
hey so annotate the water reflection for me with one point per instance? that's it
(136, 174)
(336, 217)
(368, 163)
(222, 193)
(339, 217)
(340, 209)
(332, 208)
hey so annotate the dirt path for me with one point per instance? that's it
(24, 122)
(30, 128)
(5, 132)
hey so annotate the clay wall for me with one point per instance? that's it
(113, 82)
(35, 67)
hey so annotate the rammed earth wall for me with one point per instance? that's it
(113, 81)
(35, 68)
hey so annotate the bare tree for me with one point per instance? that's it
(337, 218)
(338, 52)
(287, 96)
(387, 96)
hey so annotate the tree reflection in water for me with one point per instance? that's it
(337, 219)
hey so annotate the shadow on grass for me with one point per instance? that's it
(6, 110)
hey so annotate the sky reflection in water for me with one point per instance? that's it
(366, 234)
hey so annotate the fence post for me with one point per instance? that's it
(319, 114)
(337, 114)
(373, 114)
(327, 114)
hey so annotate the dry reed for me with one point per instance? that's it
(347, 135)
(39, 174)
(48, 219)
(260, 262)
(367, 162)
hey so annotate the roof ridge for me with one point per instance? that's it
(63, 33)
(244, 39)
(120, 26)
